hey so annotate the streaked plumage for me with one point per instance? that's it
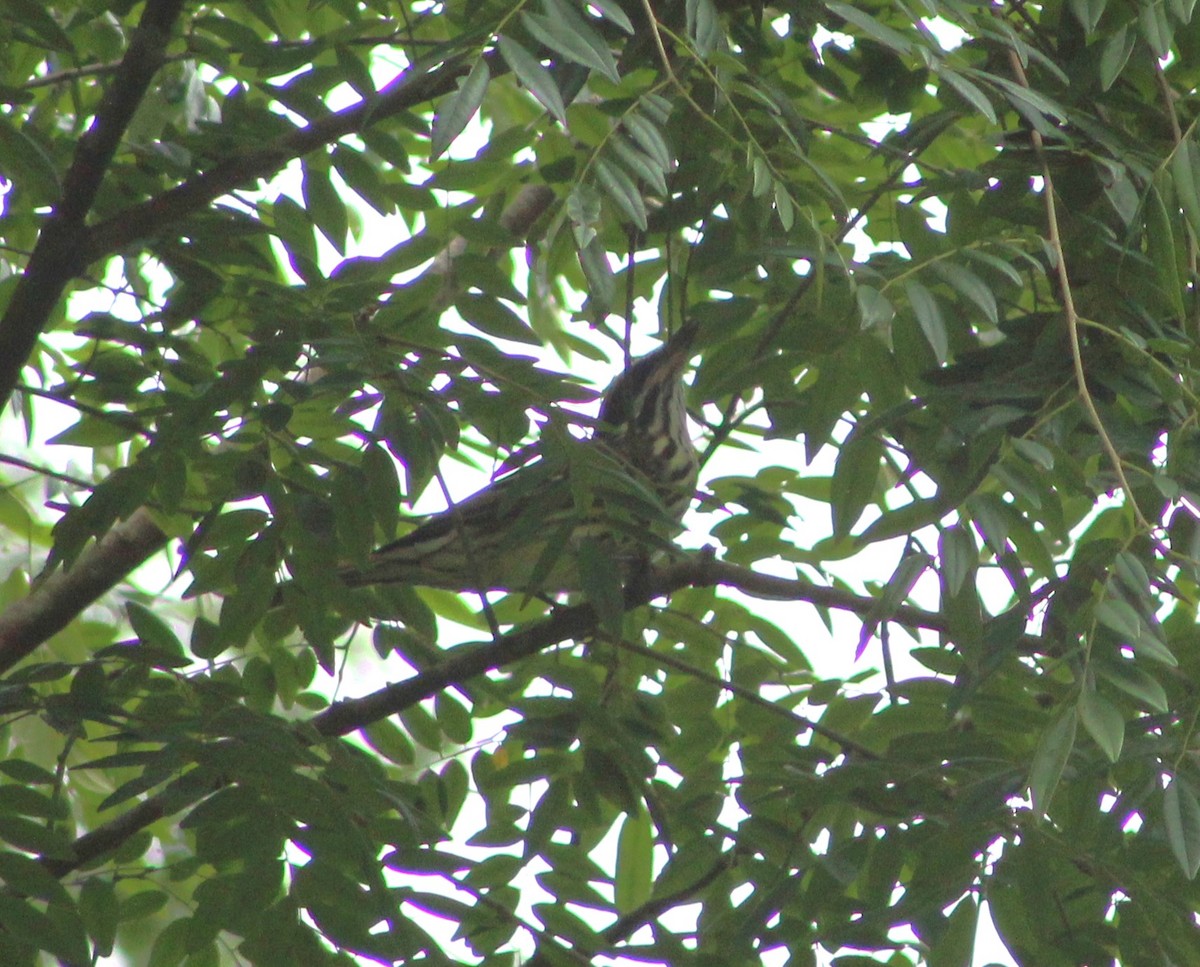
(520, 532)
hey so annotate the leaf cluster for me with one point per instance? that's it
(269, 271)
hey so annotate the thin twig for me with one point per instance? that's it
(471, 555)
(1069, 311)
(803, 723)
(123, 418)
(654, 32)
(47, 472)
(90, 70)
(1177, 135)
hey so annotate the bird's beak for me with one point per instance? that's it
(679, 346)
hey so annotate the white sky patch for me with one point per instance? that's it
(949, 36)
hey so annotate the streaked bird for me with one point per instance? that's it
(623, 491)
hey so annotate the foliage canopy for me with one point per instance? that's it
(950, 354)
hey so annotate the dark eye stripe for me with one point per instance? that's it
(648, 410)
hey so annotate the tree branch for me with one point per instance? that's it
(704, 570)
(578, 621)
(60, 253)
(470, 661)
(108, 837)
(418, 84)
(802, 722)
(65, 247)
(55, 602)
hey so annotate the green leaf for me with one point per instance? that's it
(1034, 452)
(854, 479)
(997, 265)
(383, 487)
(57, 930)
(621, 190)
(354, 69)
(171, 944)
(601, 582)
(23, 160)
(1156, 29)
(323, 203)
(100, 910)
(453, 719)
(28, 877)
(422, 727)
(561, 921)
(1050, 758)
(956, 946)
(1120, 190)
(873, 307)
(1181, 817)
(638, 164)
(1088, 13)
(1103, 722)
(1134, 682)
(27, 772)
(352, 515)
(208, 955)
(584, 208)
(1183, 10)
(293, 226)
(243, 609)
(455, 112)
(491, 316)
(958, 556)
(1163, 251)
(1185, 172)
(1132, 575)
(601, 283)
(871, 27)
(929, 316)
(1115, 56)
(1120, 617)
(906, 574)
(93, 431)
(971, 287)
(34, 837)
(363, 177)
(635, 862)
(703, 25)
(143, 904)
(785, 208)
(611, 11)
(153, 631)
(534, 76)
(31, 802)
(564, 32)
(649, 138)
(969, 92)
(1039, 110)
(36, 18)
(904, 520)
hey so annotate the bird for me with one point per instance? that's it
(625, 489)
